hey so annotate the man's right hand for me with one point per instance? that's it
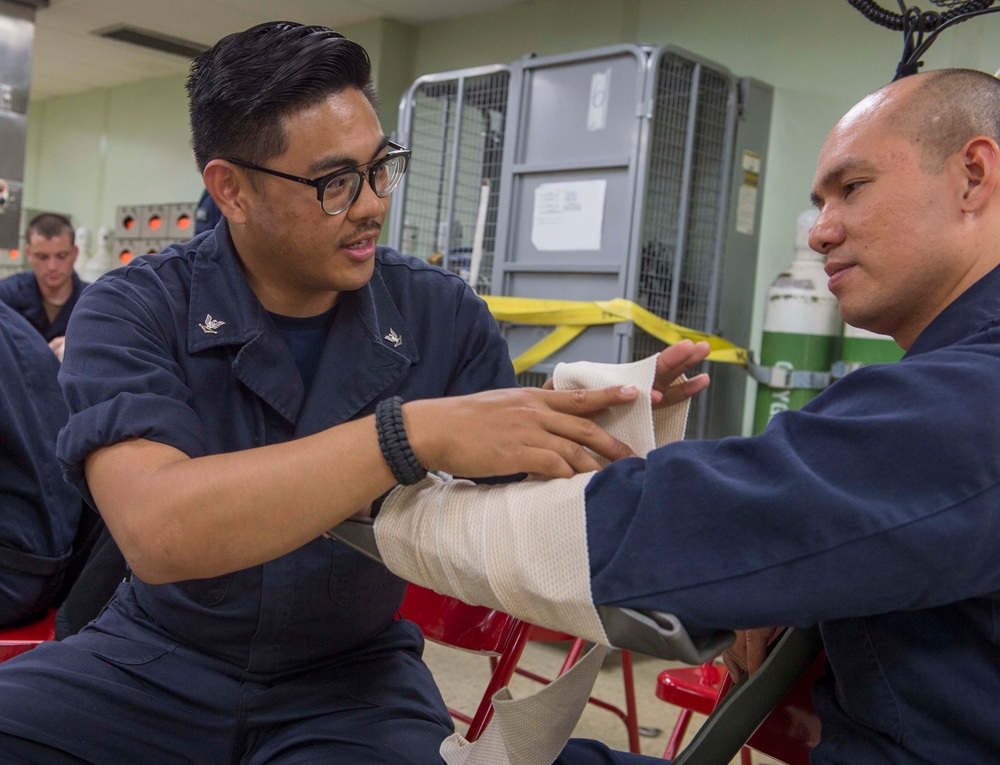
(58, 345)
(750, 650)
(515, 430)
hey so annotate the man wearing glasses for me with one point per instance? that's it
(221, 397)
(46, 297)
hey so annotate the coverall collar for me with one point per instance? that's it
(368, 348)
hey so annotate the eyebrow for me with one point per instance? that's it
(337, 161)
(835, 174)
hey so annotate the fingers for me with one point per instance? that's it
(569, 421)
(756, 642)
(675, 394)
(57, 344)
(736, 670)
(673, 362)
(515, 431)
(584, 402)
(678, 359)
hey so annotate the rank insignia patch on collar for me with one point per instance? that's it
(392, 337)
(211, 325)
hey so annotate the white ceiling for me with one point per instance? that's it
(69, 59)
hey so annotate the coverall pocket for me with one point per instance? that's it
(124, 651)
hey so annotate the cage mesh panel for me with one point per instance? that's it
(531, 379)
(662, 206)
(434, 132)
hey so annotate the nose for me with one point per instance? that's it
(826, 233)
(368, 205)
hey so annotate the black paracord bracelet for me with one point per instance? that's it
(394, 444)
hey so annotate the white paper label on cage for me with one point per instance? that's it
(751, 162)
(746, 209)
(568, 216)
(600, 94)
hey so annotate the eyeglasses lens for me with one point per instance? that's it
(342, 190)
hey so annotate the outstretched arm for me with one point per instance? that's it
(178, 518)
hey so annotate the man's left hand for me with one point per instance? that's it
(674, 361)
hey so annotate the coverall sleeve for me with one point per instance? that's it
(120, 378)
(880, 495)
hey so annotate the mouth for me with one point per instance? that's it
(836, 272)
(832, 268)
(362, 246)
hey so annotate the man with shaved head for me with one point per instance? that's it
(873, 512)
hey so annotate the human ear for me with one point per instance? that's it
(980, 164)
(227, 186)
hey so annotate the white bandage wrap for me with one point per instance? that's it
(637, 424)
(531, 730)
(522, 549)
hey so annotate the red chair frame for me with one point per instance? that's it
(17, 640)
(693, 689)
(788, 733)
(502, 637)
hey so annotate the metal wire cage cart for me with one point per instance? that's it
(620, 172)
(454, 122)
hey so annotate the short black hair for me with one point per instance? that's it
(50, 225)
(243, 87)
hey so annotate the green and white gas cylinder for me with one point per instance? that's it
(802, 329)
(862, 347)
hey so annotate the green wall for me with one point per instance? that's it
(89, 153)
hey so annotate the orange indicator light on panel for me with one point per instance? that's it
(183, 221)
(125, 256)
(14, 254)
(155, 222)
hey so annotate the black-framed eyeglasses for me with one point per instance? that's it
(340, 189)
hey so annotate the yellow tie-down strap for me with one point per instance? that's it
(571, 317)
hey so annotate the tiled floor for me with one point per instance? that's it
(463, 676)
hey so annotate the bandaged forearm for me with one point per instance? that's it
(520, 548)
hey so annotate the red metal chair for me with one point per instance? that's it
(792, 728)
(502, 637)
(771, 711)
(15, 640)
(693, 689)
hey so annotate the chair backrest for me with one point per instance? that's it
(792, 728)
(792, 667)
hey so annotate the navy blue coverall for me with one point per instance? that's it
(39, 510)
(874, 511)
(299, 660)
(20, 292)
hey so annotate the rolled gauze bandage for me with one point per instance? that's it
(520, 548)
(637, 424)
